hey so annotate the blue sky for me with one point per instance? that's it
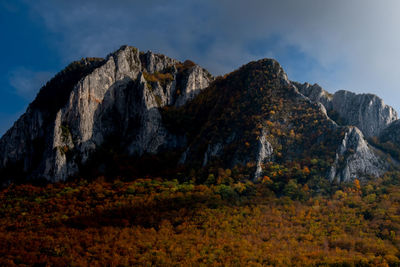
(340, 44)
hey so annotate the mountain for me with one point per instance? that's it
(389, 140)
(256, 115)
(365, 111)
(118, 96)
(136, 113)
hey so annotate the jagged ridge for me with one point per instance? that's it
(119, 97)
(365, 111)
(256, 115)
(139, 104)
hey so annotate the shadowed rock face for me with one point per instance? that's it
(272, 121)
(146, 103)
(391, 133)
(365, 111)
(119, 97)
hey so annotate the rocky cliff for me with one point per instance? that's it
(256, 116)
(116, 97)
(138, 104)
(355, 158)
(365, 111)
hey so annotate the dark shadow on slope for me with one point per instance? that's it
(173, 209)
(55, 94)
(50, 99)
(109, 162)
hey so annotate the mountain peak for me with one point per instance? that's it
(92, 100)
(366, 111)
(266, 66)
(152, 108)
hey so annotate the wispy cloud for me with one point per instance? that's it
(344, 44)
(27, 83)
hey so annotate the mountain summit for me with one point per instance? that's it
(136, 113)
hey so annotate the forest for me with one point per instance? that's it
(122, 210)
(159, 222)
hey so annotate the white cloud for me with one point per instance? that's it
(353, 43)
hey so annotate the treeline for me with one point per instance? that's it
(163, 223)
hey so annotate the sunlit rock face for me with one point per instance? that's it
(352, 156)
(119, 98)
(265, 153)
(355, 158)
(365, 111)
(147, 104)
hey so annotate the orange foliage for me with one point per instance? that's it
(357, 184)
(166, 223)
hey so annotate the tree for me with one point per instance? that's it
(356, 184)
(210, 179)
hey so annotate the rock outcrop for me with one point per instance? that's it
(316, 94)
(118, 98)
(355, 158)
(285, 125)
(365, 111)
(141, 104)
(265, 153)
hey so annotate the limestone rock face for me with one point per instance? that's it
(26, 145)
(316, 93)
(355, 158)
(365, 111)
(15, 142)
(265, 153)
(146, 103)
(195, 80)
(120, 98)
(366, 115)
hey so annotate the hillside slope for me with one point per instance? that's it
(255, 116)
(137, 113)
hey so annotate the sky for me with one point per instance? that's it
(339, 44)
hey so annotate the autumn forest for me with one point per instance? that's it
(165, 223)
